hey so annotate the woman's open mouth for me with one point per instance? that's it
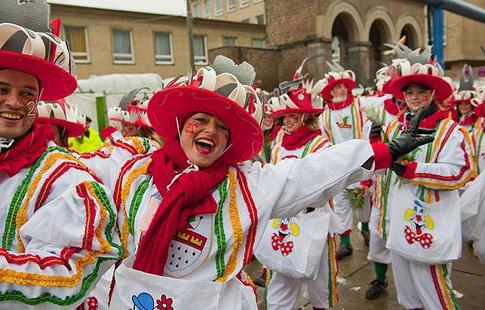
(204, 145)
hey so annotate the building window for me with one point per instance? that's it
(260, 19)
(163, 48)
(207, 8)
(219, 8)
(259, 43)
(229, 41)
(200, 50)
(77, 38)
(243, 3)
(196, 10)
(231, 5)
(245, 21)
(123, 47)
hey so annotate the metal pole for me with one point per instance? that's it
(438, 26)
(190, 36)
(101, 112)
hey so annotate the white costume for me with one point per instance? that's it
(440, 169)
(340, 123)
(206, 259)
(58, 234)
(284, 291)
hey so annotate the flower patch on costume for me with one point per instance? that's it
(145, 301)
(419, 222)
(281, 240)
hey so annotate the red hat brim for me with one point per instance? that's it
(442, 90)
(55, 82)
(289, 111)
(180, 102)
(72, 129)
(349, 83)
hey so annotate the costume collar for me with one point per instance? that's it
(340, 105)
(430, 120)
(299, 138)
(26, 150)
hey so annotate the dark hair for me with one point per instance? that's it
(421, 86)
(88, 119)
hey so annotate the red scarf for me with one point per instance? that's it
(189, 195)
(26, 151)
(299, 138)
(429, 122)
(340, 105)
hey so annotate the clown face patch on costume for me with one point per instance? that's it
(190, 246)
(282, 239)
(420, 221)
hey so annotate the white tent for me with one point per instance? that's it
(113, 87)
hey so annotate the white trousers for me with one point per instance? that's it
(421, 285)
(283, 291)
(343, 210)
(377, 250)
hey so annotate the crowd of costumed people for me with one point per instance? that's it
(190, 184)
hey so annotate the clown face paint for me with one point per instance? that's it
(19, 93)
(203, 139)
(292, 122)
(417, 97)
(339, 93)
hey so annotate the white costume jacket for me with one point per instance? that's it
(205, 260)
(58, 233)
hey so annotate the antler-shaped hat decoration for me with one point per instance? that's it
(299, 95)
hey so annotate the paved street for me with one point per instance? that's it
(356, 272)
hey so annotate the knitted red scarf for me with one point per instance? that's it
(299, 138)
(26, 151)
(190, 194)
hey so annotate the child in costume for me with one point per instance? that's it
(422, 192)
(58, 226)
(189, 249)
(342, 121)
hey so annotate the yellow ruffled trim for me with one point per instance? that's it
(236, 227)
(137, 144)
(333, 266)
(105, 246)
(26, 278)
(132, 176)
(22, 214)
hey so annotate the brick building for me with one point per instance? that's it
(352, 33)
(108, 41)
(244, 11)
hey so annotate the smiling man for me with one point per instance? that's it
(57, 225)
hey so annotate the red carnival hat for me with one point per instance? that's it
(62, 114)
(304, 99)
(298, 95)
(337, 75)
(240, 110)
(415, 67)
(24, 50)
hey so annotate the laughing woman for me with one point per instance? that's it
(192, 214)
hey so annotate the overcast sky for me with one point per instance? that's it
(166, 7)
